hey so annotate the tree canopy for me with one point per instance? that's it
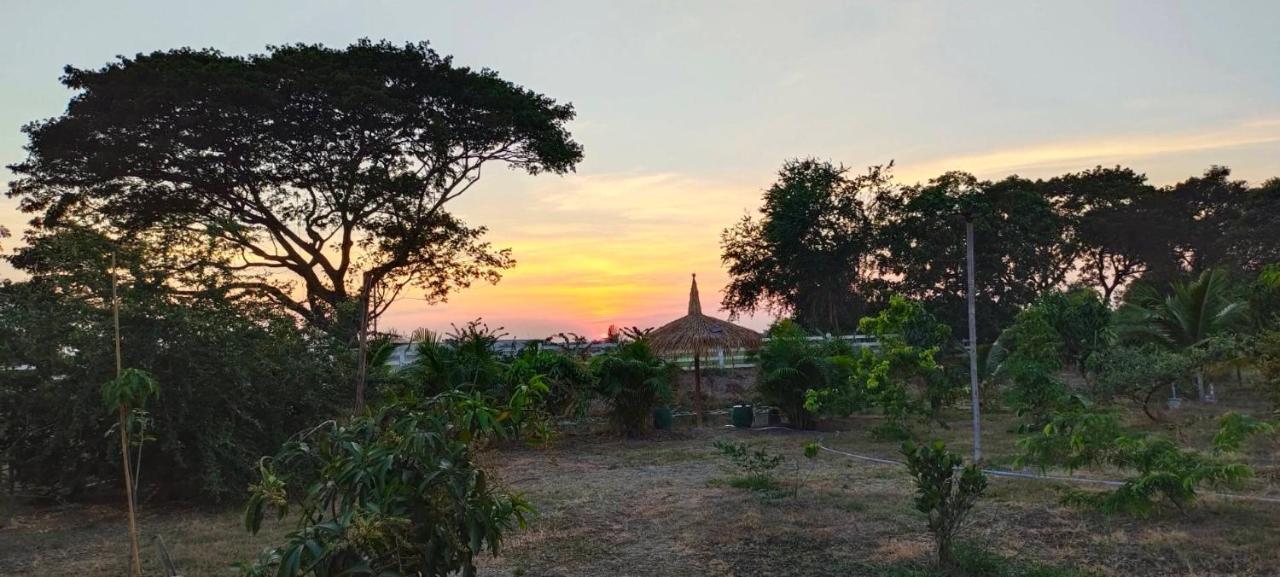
(809, 253)
(311, 176)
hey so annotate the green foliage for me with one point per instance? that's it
(899, 376)
(1263, 296)
(808, 250)
(393, 492)
(791, 365)
(129, 391)
(463, 359)
(1019, 248)
(1081, 319)
(239, 377)
(1267, 358)
(1135, 371)
(1191, 319)
(1234, 429)
(634, 381)
(946, 490)
(1029, 354)
(1187, 316)
(1164, 472)
(566, 376)
(754, 463)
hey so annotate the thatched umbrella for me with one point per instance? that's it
(699, 334)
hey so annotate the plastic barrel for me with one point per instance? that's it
(742, 416)
(662, 418)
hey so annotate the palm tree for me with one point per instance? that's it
(1185, 319)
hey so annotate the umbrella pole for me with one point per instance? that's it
(697, 388)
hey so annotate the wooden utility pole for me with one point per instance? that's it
(135, 565)
(975, 398)
(361, 360)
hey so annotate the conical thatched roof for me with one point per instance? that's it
(699, 333)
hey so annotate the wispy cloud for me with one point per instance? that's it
(1071, 155)
(600, 249)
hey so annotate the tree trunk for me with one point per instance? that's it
(363, 348)
(697, 389)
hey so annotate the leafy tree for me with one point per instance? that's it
(1184, 320)
(791, 365)
(124, 395)
(1029, 354)
(1224, 223)
(1137, 372)
(1234, 429)
(895, 376)
(1115, 225)
(809, 253)
(946, 490)
(1081, 319)
(1019, 246)
(216, 416)
(634, 382)
(394, 492)
(317, 178)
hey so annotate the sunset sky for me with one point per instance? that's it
(687, 109)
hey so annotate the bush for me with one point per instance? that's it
(393, 492)
(791, 365)
(566, 376)
(756, 465)
(634, 381)
(945, 492)
(900, 376)
(1164, 471)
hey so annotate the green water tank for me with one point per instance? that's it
(742, 416)
(662, 417)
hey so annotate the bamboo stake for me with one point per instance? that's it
(135, 564)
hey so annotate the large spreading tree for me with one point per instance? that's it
(313, 177)
(1018, 247)
(810, 251)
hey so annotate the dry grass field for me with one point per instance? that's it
(662, 506)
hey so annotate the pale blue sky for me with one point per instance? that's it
(687, 108)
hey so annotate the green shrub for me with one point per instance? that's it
(1164, 472)
(946, 491)
(393, 492)
(634, 381)
(791, 365)
(756, 465)
(1234, 429)
(566, 376)
(898, 376)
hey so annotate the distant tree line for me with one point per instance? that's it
(829, 246)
